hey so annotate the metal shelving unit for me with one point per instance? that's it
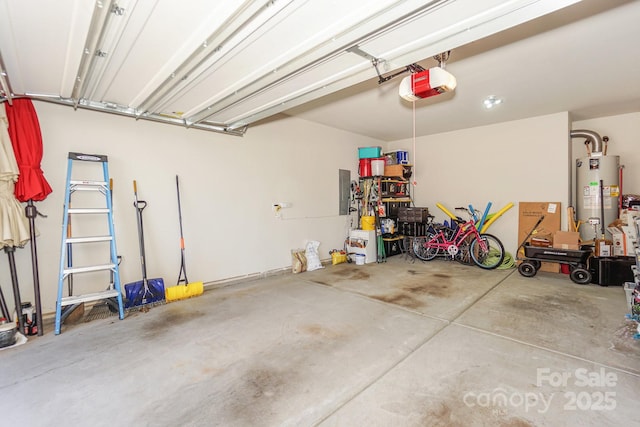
(383, 196)
(632, 289)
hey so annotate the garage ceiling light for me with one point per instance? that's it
(491, 101)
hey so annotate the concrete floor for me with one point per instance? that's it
(395, 344)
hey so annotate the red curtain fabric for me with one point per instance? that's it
(24, 132)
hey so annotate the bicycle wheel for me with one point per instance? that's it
(464, 253)
(421, 250)
(489, 254)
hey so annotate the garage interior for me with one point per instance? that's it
(260, 127)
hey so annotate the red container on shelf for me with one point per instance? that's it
(364, 168)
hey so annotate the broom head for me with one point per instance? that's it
(178, 292)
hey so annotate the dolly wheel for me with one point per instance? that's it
(527, 269)
(580, 276)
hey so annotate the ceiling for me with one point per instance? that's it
(584, 59)
(226, 66)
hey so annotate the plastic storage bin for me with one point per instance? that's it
(392, 246)
(369, 152)
(413, 214)
(628, 290)
(377, 166)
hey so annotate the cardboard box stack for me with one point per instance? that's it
(623, 233)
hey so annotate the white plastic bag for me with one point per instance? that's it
(313, 258)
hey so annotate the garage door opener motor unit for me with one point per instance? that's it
(425, 84)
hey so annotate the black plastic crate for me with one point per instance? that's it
(611, 271)
(394, 188)
(413, 214)
(393, 207)
(412, 228)
(392, 246)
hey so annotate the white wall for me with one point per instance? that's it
(227, 187)
(229, 183)
(518, 161)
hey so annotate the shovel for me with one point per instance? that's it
(145, 291)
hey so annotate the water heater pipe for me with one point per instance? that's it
(602, 208)
(596, 147)
(621, 193)
(593, 137)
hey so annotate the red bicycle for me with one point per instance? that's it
(462, 242)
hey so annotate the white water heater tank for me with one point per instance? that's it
(590, 172)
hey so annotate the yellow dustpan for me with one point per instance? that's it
(188, 290)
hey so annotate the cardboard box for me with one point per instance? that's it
(622, 240)
(604, 250)
(566, 240)
(618, 241)
(630, 233)
(529, 214)
(402, 171)
(627, 216)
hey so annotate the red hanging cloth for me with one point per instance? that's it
(26, 139)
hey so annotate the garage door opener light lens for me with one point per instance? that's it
(491, 101)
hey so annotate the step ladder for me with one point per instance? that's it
(67, 270)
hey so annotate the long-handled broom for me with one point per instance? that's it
(188, 290)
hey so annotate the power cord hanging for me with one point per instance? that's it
(415, 157)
